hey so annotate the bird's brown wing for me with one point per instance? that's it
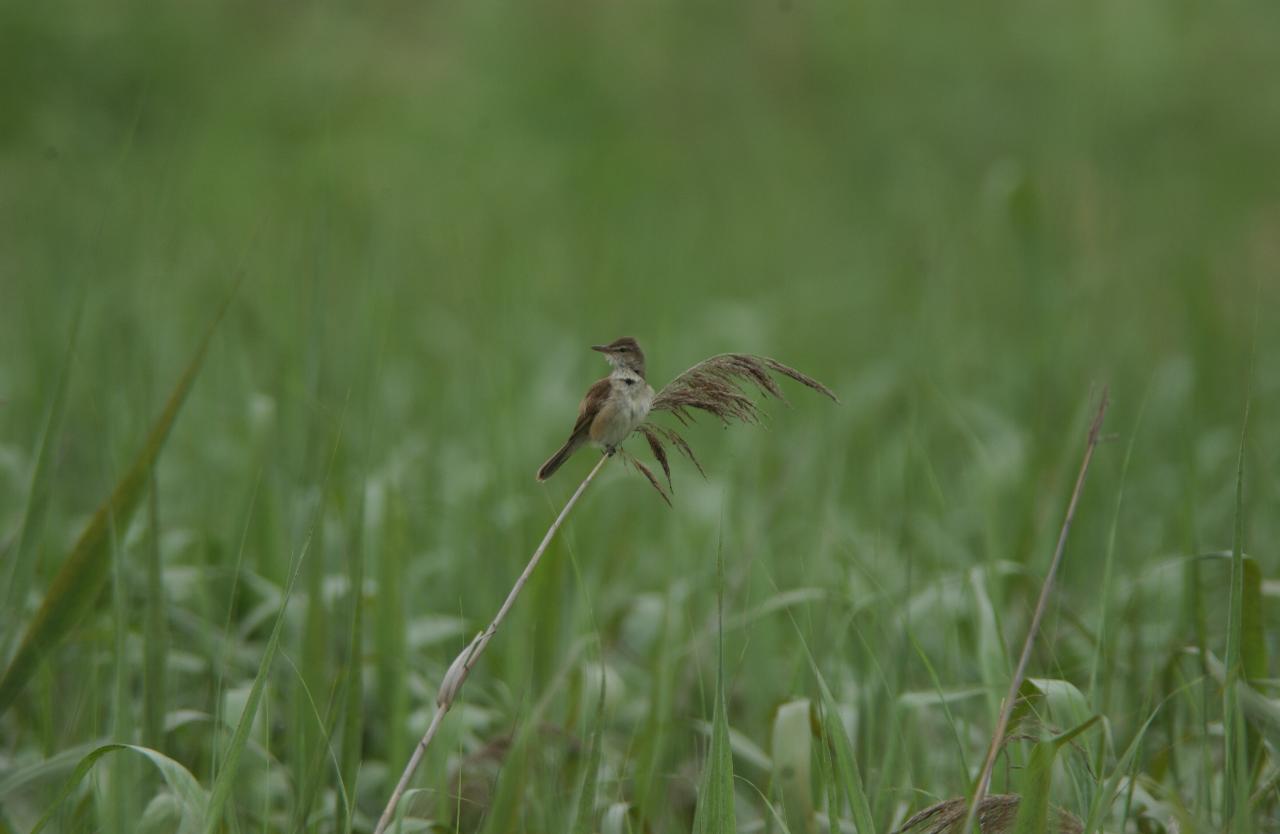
(590, 406)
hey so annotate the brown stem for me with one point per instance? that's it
(466, 660)
(1002, 723)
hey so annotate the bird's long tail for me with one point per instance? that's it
(562, 454)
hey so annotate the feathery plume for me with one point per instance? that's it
(995, 816)
(722, 386)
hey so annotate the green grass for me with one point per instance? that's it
(964, 219)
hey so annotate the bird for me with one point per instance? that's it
(612, 408)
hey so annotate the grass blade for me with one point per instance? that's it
(1110, 789)
(1100, 651)
(715, 812)
(584, 820)
(1253, 636)
(993, 658)
(792, 754)
(353, 685)
(27, 778)
(834, 738)
(156, 633)
(191, 797)
(942, 699)
(83, 574)
(1019, 673)
(508, 810)
(846, 764)
(22, 568)
(1033, 810)
(225, 779)
(1261, 711)
(651, 748)
(1236, 778)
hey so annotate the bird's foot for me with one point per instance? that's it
(610, 451)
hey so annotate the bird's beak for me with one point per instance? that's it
(601, 348)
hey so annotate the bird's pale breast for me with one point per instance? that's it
(626, 408)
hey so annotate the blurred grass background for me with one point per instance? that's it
(964, 219)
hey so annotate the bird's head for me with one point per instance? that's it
(623, 353)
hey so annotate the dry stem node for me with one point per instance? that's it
(460, 668)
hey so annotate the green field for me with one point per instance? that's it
(967, 219)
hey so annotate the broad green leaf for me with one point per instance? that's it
(1033, 810)
(191, 797)
(83, 574)
(1050, 700)
(992, 658)
(1262, 711)
(792, 752)
(745, 751)
(921, 698)
(617, 819)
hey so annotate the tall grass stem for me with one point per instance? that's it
(466, 660)
(1006, 709)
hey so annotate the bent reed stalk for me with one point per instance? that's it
(466, 660)
(722, 386)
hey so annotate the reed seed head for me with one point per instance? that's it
(726, 386)
(996, 815)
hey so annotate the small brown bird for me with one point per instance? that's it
(613, 407)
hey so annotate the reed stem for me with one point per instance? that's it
(466, 660)
(1006, 709)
